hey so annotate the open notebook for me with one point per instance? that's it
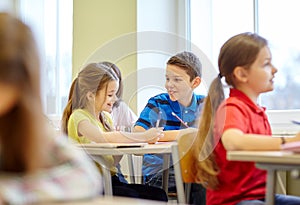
(291, 146)
(114, 145)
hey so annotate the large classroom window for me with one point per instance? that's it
(52, 24)
(214, 21)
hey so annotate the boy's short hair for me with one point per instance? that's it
(188, 62)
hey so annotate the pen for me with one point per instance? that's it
(296, 122)
(158, 119)
(184, 123)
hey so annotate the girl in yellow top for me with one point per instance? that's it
(93, 94)
(94, 90)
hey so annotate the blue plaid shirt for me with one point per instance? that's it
(152, 164)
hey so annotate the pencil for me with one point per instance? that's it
(180, 120)
(158, 119)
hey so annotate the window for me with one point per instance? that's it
(214, 21)
(278, 26)
(51, 22)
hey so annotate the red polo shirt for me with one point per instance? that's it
(238, 180)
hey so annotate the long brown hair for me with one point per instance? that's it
(240, 50)
(20, 127)
(92, 78)
(117, 71)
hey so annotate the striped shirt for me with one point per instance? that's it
(165, 106)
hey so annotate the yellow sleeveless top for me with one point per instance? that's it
(80, 115)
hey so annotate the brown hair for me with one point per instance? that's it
(20, 127)
(240, 50)
(117, 71)
(92, 78)
(188, 62)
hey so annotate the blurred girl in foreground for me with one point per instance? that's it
(35, 166)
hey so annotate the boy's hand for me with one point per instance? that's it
(152, 135)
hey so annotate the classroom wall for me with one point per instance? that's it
(134, 37)
(160, 35)
(106, 30)
(100, 32)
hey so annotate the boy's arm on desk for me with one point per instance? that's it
(170, 135)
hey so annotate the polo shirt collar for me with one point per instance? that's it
(193, 106)
(177, 106)
(239, 94)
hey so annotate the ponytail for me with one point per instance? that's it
(202, 152)
(68, 109)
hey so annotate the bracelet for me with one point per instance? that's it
(282, 140)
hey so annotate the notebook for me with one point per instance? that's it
(114, 145)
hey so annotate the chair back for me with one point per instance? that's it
(185, 142)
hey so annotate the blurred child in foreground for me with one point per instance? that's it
(35, 165)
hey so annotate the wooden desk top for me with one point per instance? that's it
(274, 157)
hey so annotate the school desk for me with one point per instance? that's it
(97, 150)
(271, 161)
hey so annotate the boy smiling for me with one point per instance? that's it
(183, 75)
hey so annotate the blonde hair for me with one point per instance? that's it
(92, 78)
(117, 71)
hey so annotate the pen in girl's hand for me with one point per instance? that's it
(158, 119)
(184, 123)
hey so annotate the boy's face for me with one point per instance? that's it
(178, 85)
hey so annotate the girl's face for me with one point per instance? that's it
(106, 97)
(261, 72)
(8, 96)
(178, 84)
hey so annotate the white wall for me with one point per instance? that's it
(162, 32)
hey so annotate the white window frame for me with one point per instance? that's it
(59, 53)
(280, 120)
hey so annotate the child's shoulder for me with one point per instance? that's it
(80, 114)
(199, 98)
(236, 102)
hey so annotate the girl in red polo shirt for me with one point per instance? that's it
(237, 123)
